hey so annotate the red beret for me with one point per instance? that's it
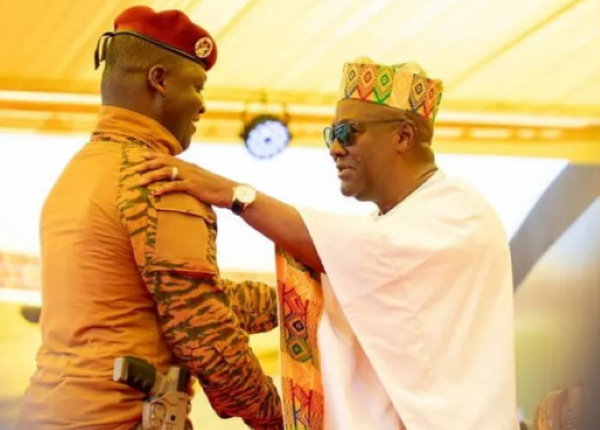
(172, 30)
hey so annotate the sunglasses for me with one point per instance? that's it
(343, 133)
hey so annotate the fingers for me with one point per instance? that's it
(149, 165)
(162, 174)
(155, 161)
(159, 168)
(151, 155)
(171, 187)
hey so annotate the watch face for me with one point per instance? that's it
(245, 194)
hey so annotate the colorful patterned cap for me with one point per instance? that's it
(402, 86)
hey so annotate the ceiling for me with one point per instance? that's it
(527, 56)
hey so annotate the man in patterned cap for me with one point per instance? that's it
(401, 320)
(126, 273)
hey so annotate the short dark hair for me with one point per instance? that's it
(129, 57)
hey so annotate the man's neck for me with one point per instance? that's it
(130, 100)
(404, 185)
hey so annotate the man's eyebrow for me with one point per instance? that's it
(342, 122)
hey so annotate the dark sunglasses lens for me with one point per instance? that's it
(344, 134)
(329, 136)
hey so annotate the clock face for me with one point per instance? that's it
(267, 138)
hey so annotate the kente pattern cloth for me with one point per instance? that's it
(404, 86)
(300, 310)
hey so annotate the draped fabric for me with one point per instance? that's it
(300, 310)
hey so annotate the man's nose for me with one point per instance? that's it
(202, 105)
(337, 150)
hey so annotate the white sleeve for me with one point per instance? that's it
(351, 251)
(360, 254)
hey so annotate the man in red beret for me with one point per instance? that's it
(127, 273)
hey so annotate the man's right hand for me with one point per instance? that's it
(180, 176)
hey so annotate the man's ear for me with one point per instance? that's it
(407, 136)
(156, 78)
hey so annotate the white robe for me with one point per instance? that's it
(418, 322)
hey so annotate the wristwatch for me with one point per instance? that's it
(243, 196)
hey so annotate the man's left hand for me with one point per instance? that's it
(180, 176)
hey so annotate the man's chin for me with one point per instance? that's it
(348, 190)
(185, 144)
